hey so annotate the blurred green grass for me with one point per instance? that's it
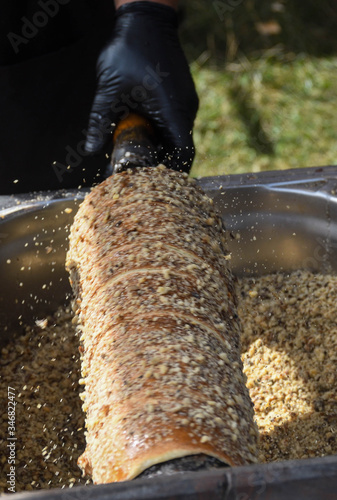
(268, 98)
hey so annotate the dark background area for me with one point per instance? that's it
(222, 28)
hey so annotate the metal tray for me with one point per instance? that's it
(279, 221)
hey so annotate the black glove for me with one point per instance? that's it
(143, 70)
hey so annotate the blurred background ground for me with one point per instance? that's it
(266, 74)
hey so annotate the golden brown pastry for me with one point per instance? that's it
(160, 334)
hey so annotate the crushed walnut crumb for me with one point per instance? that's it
(289, 352)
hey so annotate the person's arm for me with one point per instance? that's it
(169, 3)
(143, 70)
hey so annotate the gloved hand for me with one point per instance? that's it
(143, 70)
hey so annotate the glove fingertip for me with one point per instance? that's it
(92, 145)
(98, 134)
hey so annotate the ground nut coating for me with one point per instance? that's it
(161, 337)
(289, 346)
